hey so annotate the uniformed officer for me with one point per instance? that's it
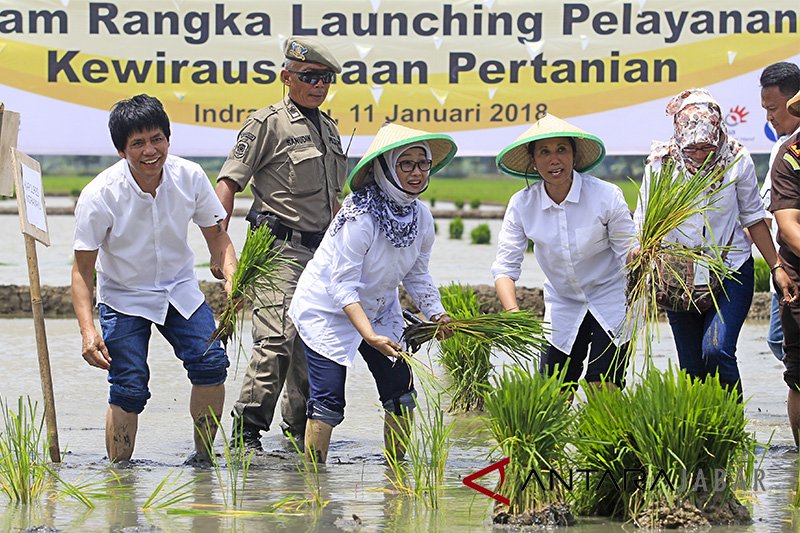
(293, 153)
(785, 205)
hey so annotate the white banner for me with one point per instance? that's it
(480, 71)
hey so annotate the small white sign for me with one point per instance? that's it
(34, 197)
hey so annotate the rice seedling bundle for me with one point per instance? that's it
(671, 199)
(530, 419)
(257, 269)
(679, 432)
(467, 360)
(519, 334)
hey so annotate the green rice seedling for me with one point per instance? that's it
(421, 474)
(168, 492)
(762, 275)
(259, 263)
(481, 234)
(670, 200)
(518, 334)
(237, 465)
(92, 489)
(456, 228)
(663, 443)
(796, 495)
(530, 419)
(24, 473)
(459, 204)
(685, 430)
(601, 429)
(467, 360)
(309, 471)
(475, 203)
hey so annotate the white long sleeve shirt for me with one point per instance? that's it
(735, 207)
(144, 262)
(359, 264)
(581, 246)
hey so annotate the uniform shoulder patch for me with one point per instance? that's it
(792, 161)
(265, 112)
(794, 149)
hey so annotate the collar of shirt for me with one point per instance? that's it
(573, 196)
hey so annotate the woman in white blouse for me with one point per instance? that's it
(347, 297)
(706, 342)
(581, 230)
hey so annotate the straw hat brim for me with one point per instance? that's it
(515, 160)
(391, 136)
(793, 105)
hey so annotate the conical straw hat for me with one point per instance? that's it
(392, 136)
(515, 160)
(793, 105)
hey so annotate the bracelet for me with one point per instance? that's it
(512, 308)
(776, 267)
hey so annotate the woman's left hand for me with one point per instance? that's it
(443, 331)
(785, 285)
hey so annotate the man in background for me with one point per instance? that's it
(779, 82)
(293, 154)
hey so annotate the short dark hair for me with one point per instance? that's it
(784, 75)
(532, 145)
(139, 113)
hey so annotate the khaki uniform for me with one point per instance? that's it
(785, 194)
(297, 173)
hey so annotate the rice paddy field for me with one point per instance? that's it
(495, 190)
(355, 490)
(354, 484)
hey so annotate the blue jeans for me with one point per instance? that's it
(706, 342)
(127, 338)
(326, 380)
(775, 333)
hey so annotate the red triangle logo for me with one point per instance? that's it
(500, 465)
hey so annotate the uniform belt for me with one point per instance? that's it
(308, 239)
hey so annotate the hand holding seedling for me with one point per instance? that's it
(443, 332)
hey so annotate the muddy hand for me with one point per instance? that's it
(443, 332)
(94, 351)
(385, 345)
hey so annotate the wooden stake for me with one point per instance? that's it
(41, 348)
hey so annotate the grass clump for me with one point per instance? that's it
(530, 420)
(456, 228)
(481, 234)
(762, 275)
(670, 444)
(24, 472)
(475, 203)
(232, 478)
(427, 448)
(459, 204)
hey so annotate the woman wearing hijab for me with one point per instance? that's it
(347, 299)
(581, 230)
(706, 342)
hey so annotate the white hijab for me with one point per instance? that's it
(390, 185)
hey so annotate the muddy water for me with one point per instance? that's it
(354, 479)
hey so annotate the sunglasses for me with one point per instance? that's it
(312, 77)
(409, 166)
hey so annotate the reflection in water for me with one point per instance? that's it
(354, 481)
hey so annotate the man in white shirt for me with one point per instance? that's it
(131, 229)
(779, 82)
